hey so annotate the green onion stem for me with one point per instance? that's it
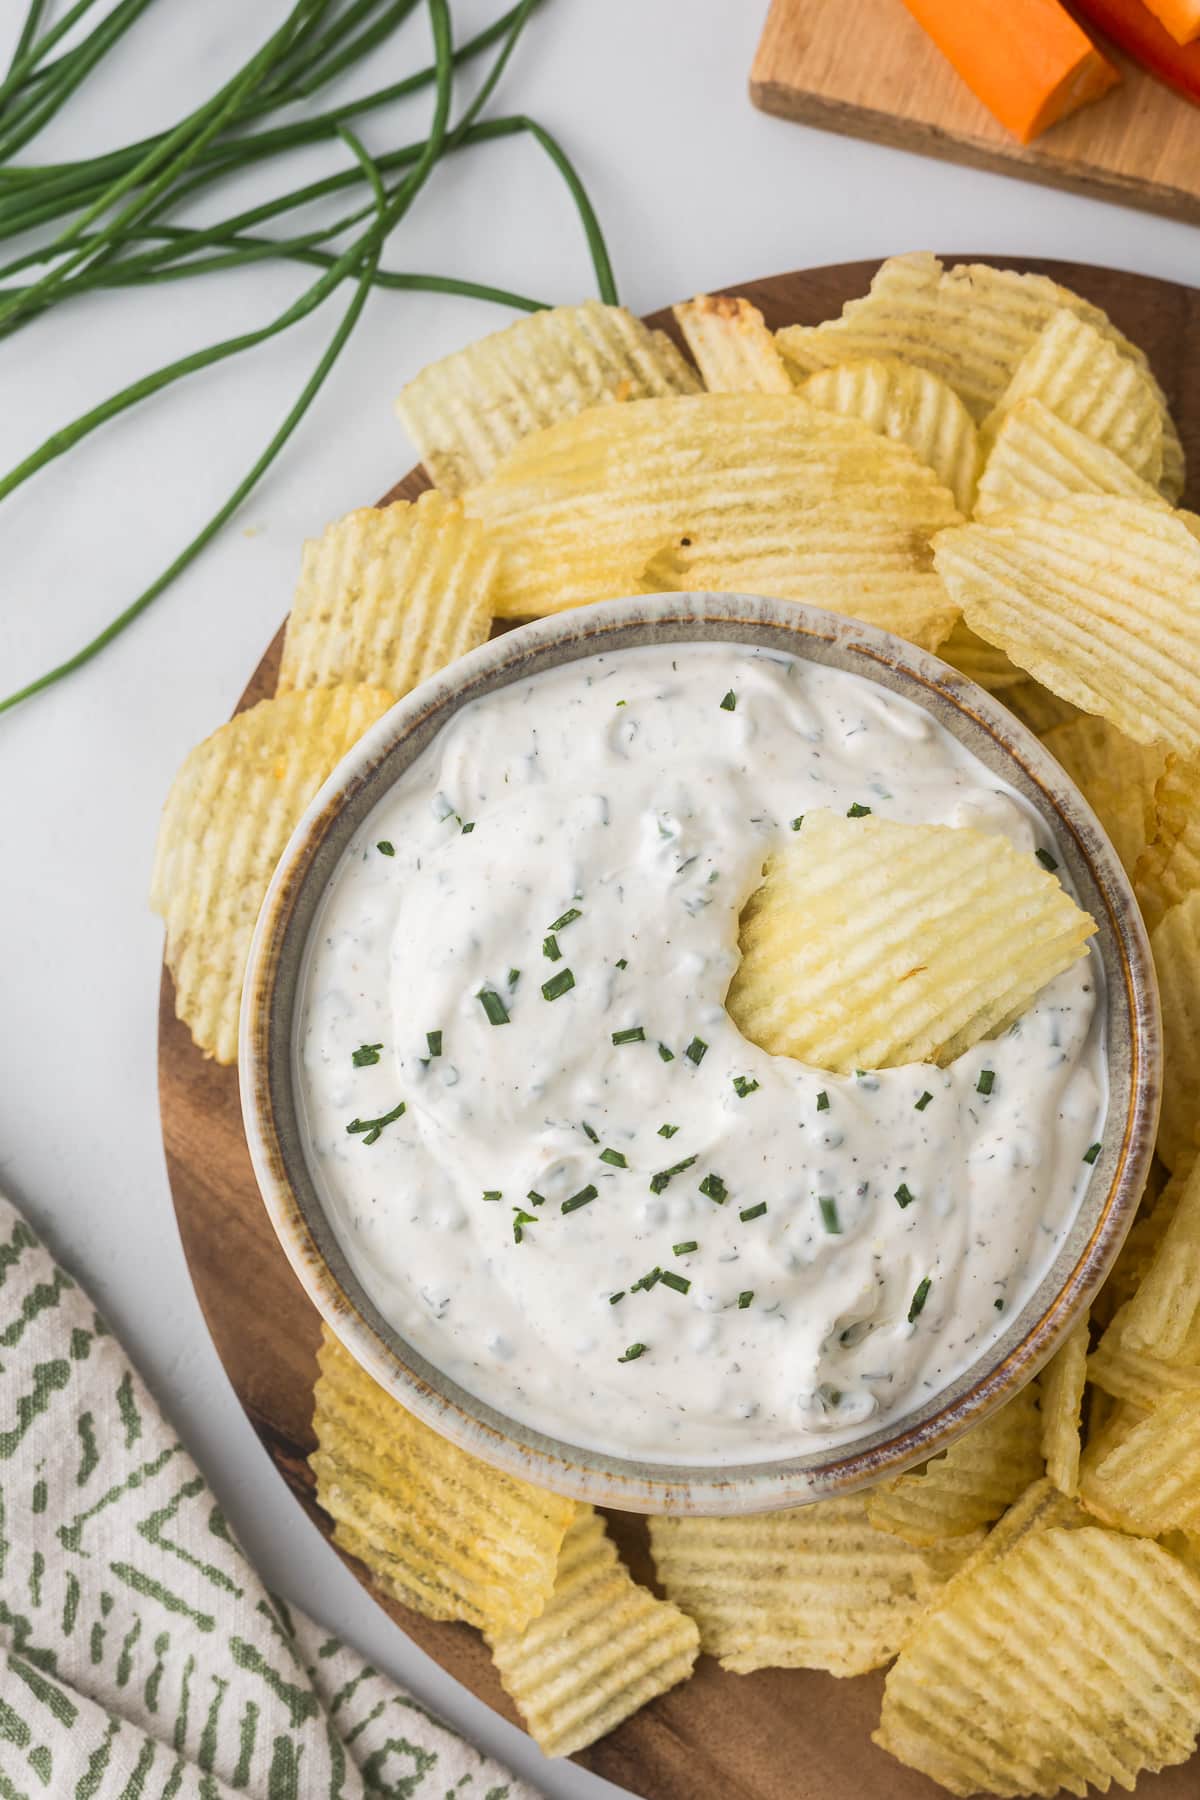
(27, 120)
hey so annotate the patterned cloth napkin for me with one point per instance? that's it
(141, 1658)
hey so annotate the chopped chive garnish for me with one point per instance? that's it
(822, 1101)
(743, 1085)
(564, 919)
(619, 1295)
(385, 847)
(680, 1283)
(999, 1305)
(558, 985)
(520, 1220)
(696, 1051)
(923, 1102)
(905, 1195)
(986, 1082)
(615, 1157)
(919, 1298)
(634, 1034)
(797, 822)
(646, 1282)
(582, 1198)
(493, 1006)
(665, 1054)
(365, 1055)
(829, 1214)
(714, 1189)
(622, 962)
(684, 1249)
(633, 1352)
(434, 1040)
(1047, 861)
(667, 1131)
(589, 1133)
(857, 811)
(493, 1194)
(729, 703)
(745, 1298)
(753, 1212)
(514, 975)
(1090, 1155)
(468, 826)
(534, 1198)
(659, 1181)
(550, 948)
(370, 1129)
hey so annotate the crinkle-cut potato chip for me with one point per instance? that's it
(1128, 1373)
(230, 812)
(1074, 1659)
(760, 492)
(467, 411)
(733, 349)
(816, 1587)
(1040, 1508)
(1139, 1249)
(442, 1532)
(1168, 870)
(872, 944)
(603, 1648)
(1186, 1546)
(968, 1485)
(1115, 776)
(1099, 599)
(1175, 945)
(1081, 375)
(980, 661)
(1062, 1383)
(911, 406)
(1037, 707)
(1163, 1317)
(1036, 455)
(389, 595)
(1150, 1482)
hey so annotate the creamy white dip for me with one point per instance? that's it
(610, 818)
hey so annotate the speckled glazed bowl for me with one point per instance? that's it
(269, 1088)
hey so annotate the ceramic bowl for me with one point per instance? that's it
(269, 1089)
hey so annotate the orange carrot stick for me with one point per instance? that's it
(1181, 18)
(1027, 60)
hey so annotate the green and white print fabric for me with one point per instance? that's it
(141, 1658)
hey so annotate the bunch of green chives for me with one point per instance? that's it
(104, 221)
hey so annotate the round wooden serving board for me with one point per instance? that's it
(774, 1735)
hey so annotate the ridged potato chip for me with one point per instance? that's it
(872, 943)
(968, 1485)
(980, 661)
(733, 350)
(1040, 1508)
(911, 406)
(442, 1532)
(761, 492)
(1037, 707)
(1128, 1373)
(1099, 599)
(1150, 1482)
(816, 1587)
(1163, 1317)
(1062, 1383)
(1115, 776)
(1175, 945)
(467, 411)
(603, 1647)
(1158, 1207)
(1168, 870)
(1035, 455)
(230, 812)
(389, 595)
(1082, 376)
(1074, 1659)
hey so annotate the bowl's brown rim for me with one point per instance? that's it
(265, 1064)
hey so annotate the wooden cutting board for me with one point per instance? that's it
(779, 1734)
(866, 68)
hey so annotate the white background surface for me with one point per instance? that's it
(695, 190)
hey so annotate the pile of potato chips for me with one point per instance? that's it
(981, 462)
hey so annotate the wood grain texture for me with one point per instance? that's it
(774, 1735)
(865, 68)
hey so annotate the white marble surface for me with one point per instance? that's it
(695, 189)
